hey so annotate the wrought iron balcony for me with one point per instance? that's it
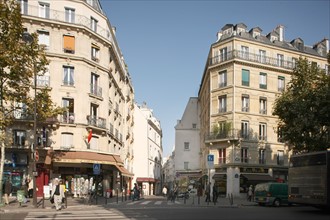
(96, 121)
(251, 57)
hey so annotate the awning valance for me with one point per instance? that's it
(83, 157)
(124, 171)
(259, 177)
(219, 176)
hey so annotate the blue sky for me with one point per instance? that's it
(165, 43)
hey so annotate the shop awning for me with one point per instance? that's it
(118, 159)
(124, 171)
(259, 177)
(83, 157)
(219, 176)
(145, 179)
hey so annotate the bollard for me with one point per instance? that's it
(125, 195)
(193, 200)
(117, 195)
(184, 199)
(95, 199)
(199, 200)
(122, 196)
(66, 200)
(43, 201)
(106, 200)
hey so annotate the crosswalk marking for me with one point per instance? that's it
(145, 203)
(158, 202)
(64, 214)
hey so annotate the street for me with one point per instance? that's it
(158, 209)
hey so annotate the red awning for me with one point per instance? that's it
(145, 179)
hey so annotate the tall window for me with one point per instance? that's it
(280, 59)
(186, 165)
(68, 75)
(263, 105)
(223, 79)
(245, 103)
(222, 103)
(244, 155)
(281, 83)
(24, 6)
(94, 24)
(245, 129)
(43, 38)
(68, 44)
(94, 143)
(262, 56)
(280, 157)
(19, 138)
(43, 10)
(222, 156)
(262, 157)
(20, 111)
(223, 54)
(263, 131)
(279, 135)
(186, 146)
(245, 52)
(95, 53)
(95, 88)
(70, 15)
(68, 115)
(263, 81)
(93, 114)
(67, 140)
(245, 77)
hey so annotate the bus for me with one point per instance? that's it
(308, 179)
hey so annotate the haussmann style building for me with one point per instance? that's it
(87, 74)
(245, 72)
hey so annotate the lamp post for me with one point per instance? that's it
(27, 38)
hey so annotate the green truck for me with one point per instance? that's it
(271, 193)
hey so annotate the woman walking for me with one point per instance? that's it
(58, 194)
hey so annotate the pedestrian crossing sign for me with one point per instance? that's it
(96, 168)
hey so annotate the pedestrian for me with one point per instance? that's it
(208, 193)
(164, 191)
(215, 194)
(136, 192)
(250, 193)
(58, 194)
(7, 191)
(30, 188)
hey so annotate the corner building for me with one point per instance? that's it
(244, 74)
(87, 74)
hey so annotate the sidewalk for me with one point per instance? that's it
(80, 203)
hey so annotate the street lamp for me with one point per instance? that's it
(27, 38)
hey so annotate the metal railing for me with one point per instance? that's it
(252, 57)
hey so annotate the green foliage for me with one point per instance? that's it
(304, 108)
(20, 62)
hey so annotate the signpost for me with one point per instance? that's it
(36, 155)
(96, 169)
(210, 164)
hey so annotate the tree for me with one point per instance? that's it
(20, 63)
(304, 108)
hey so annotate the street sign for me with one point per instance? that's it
(96, 168)
(210, 161)
(36, 155)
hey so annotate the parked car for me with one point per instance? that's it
(275, 194)
(192, 192)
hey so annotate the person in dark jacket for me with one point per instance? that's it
(7, 191)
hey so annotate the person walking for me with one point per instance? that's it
(7, 191)
(58, 194)
(250, 192)
(215, 194)
(208, 193)
(164, 191)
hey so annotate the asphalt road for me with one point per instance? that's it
(151, 210)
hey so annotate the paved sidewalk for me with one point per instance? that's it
(80, 203)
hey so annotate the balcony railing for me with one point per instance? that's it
(68, 117)
(223, 135)
(96, 121)
(96, 90)
(252, 57)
